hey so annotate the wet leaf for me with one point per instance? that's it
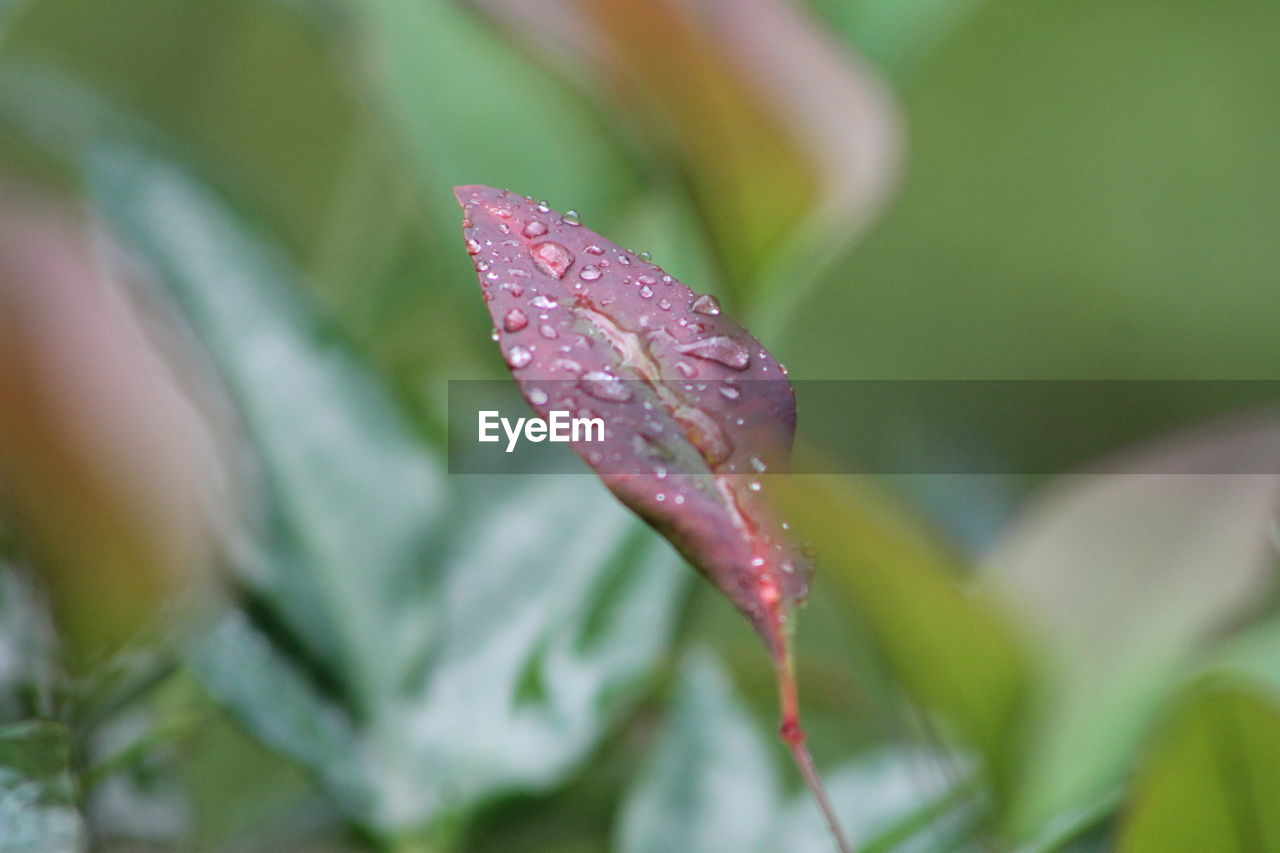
(1212, 780)
(583, 327)
(37, 794)
(693, 409)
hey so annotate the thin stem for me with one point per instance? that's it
(794, 738)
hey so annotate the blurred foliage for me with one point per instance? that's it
(255, 291)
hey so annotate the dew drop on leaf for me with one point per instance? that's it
(551, 258)
(604, 385)
(515, 320)
(721, 349)
(518, 357)
(706, 304)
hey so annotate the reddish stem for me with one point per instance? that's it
(793, 736)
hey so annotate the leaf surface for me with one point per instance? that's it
(37, 794)
(694, 408)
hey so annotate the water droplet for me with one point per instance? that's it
(665, 304)
(624, 260)
(543, 207)
(591, 272)
(538, 397)
(534, 228)
(513, 288)
(646, 291)
(571, 217)
(721, 349)
(679, 499)
(567, 365)
(757, 562)
(758, 464)
(646, 257)
(473, 246)
(603, 385)
(544, 302)
(660, 497)
(593, 249)
(687, 370)
(548, 331)
(518, 357)
(666, 279)
(730, 393)
(769, 592)
(515, 320)
(706, 304)
(551, 258)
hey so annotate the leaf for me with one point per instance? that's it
(897, 36)
(1212, 780)
(37, 795)
(683, 455)
(1122, 579)
(542, 647)
(790, 143)
(98, 436)
(711, 785)
(556, 605)
(437, 71)
(416, 686)
(28, 649)
(956, 653)
(903, 799)
(568, 304)
(349, 497)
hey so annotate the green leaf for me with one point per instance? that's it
(37, 795)
(475, 111)
(27, 648)
(711, 785)
(1212, 781)
(1123, 580)
(556, 603)
(956, 653)
(348, 495)
(897, 799)
(897, 35)
(546, 638)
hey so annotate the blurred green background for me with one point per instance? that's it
(243, 608)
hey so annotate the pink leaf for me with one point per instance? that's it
(695, 409)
